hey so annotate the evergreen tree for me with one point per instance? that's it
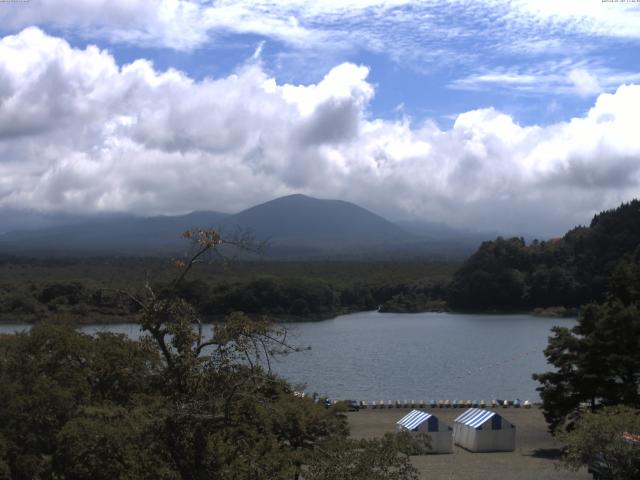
(597, 363)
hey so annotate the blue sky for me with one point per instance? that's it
(510, 115)
(427, 59)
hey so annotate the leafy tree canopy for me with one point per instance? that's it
(174, 405)
(597, 363)
(598, 440)
(569, 271)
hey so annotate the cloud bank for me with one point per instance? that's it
(80, 133)
(186, 24)
(428, 33)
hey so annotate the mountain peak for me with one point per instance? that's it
(318, 226)
(300, 219)
(294, 197)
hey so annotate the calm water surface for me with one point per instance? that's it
(374, 356)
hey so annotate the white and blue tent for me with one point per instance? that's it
(479, 430)
(441, 440)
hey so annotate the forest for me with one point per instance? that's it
(586, 264)
(90, 289)
(591, 395)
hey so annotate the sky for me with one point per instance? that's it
(518, 116)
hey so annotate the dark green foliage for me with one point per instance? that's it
(5, 471)
(360, 297)
(597, 441)
(299, 307)
(72, 292)
(174, 405)
(111, 442)
(493, 276)
(276, 296)
(89, 290)
(569, 272)
(47, 376)
(597, 363)
(74, 406)
(624, 283)
(417, 297)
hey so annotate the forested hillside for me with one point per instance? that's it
(88, 289)
(587, 264)
(592, 392)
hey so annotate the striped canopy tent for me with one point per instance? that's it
(479, 430)
(440, 434)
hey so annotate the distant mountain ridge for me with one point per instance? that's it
(299, 218)
(12, 220)
(294, 226)
(119, 235)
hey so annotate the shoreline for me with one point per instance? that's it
(93, 319)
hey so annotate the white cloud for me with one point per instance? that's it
(592, 17)
(422, 31)
(171, 23)
(307, 37)
(81, 133)
(585, 83)
(549, 78)
(177, 24)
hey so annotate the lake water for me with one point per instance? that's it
(375, 356)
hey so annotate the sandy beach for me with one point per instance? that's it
(535, 456)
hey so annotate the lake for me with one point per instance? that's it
(375, 356)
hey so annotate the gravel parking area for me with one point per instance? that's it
(535, 456)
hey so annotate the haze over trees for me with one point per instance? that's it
(295, 226)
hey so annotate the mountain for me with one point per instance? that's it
(110, 235)
(295, 226)
(16, 219)
(327, 224)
